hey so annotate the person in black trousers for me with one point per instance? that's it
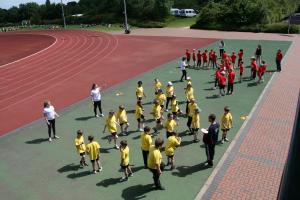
(49, 115)
(183, 66)
(210, 139)
(155, 164)
(258, 54)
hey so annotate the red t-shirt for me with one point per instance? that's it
(188, 55)
(231, 77)
(210, 55)
(204, 55)
(233, 58)
(224, 56)
(262, 69)
(222, 80)
(241, 54)
(194, 55)
(199, 56)
(279, 56)
(254, 65)
(214, 57)
(230, 66)
(241, 68)
(217, 74)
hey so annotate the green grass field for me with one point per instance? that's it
(175, 22)
(32, 168)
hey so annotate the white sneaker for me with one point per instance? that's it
(99, 170)
(96, 115)
(167, 110)
(130, 175)
(226, 139)
(116, 136)
(101, 115)
(141, 129)
(56, 137)
(117, 147)
(124, 179)
(222, 142)
(95, 172)
(50, 140)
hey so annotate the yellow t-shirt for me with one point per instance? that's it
(161, 98)
(139, 92)
(196, 121)
(157, 86)
(80, 146)
(122, 116)
(171, 144)
(111, 124)
(93, 150)
(156, 111)
(124, 156)
(146, 141)
(138, 112)
(189, 82)
(191, 109)
(170, 91)
(154, 157)
(170, 125)
(174, 105)
(226, 121)
(189, 94)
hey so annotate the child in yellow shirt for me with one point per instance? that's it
(172, 142)
(170, 125)
(175, 108)
(161, 98)
(93, 149)
(189, 93)
(122, 119)
(157, 114)
(191, 110)
(124, 150)
(80, 146)
(139, 92)
(146, 142)
(111, 124)
(139, 115)
(226, 124)
(157, 85)
(169, 94)
(196, 124)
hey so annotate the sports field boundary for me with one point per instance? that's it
(205, 192)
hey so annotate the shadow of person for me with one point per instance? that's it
(37, 141)
(84, 118)
(108, 182)
(80, 174)
(188, 170)
(130, 111)
(215, 96)
(105, 150)
(185, 143)
(136, 192)
(68, 168)
(252, 84)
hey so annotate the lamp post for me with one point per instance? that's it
(127, 31)
(63, 14)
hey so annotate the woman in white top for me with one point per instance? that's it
(49, 115)
(96, 99)
(221, 48)
(183, 66)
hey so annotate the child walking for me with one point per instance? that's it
(226, 124)
(93, 149)
(139, 115)
(169, 94)
(157, 111)
(183, 66)
(124, 149)
(140, 94)
(172, 142)
(196, 124)
(242, 68)
(80, 146)
(175, 107)
(146, 142)
(170, 125)
(122, 120)
(111, 124)
(157, 85)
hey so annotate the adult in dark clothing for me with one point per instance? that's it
(258, 54)
(210, 138)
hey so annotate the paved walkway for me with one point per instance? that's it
(252, 166)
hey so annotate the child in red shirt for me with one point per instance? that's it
(214, 60)
(261, 71)
(233, 59)
(254, 68)
(222, 83)
(279, 57)
(210, 57)
(240, 55)
(231, 77)
(205, 57)
(188, 56)
(217, 77)
(194, 57)
(199, 58)
(241, 70)
(224, 56)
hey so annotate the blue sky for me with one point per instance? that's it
(9, 3)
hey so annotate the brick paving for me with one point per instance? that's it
(252, 166)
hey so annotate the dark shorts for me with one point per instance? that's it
(139, 98)
(162, 106)
(221, 86)
(227, 129)
(169, 134)
(241, 74)
(114, 133)
(158, 121)
(92, 161)
(195, 129)
(142, 118)
(124, 166)
(172, 156)
(124, 123)
(82, 154)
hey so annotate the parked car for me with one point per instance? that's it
(187, 13)
(175, 12)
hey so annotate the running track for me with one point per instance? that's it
(64, 71)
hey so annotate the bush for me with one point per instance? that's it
(148, 24)
(280, 28)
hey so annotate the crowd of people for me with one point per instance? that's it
(166, 113)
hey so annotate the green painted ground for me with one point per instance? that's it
(31, 168)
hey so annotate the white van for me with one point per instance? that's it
(187, 13)
(175, 12)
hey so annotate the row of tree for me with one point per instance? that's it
(233, 13)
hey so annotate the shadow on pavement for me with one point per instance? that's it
(69, 167)
(37, 141)
(136, 192)
(84, 118)
(188, 170)
(108, 182)
(80, 174)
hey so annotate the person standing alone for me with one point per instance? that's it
(49, 115)
(278, 60)
(96, 99)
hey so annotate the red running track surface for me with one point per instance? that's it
(74, 62)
